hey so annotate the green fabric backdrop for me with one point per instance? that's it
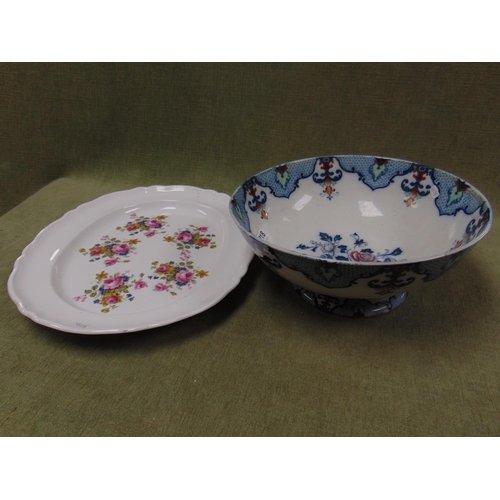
(261, 362)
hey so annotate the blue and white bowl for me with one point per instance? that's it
(354, 234)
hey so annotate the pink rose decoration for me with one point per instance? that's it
(203, 229)
(185, 237)
(96, 250)
(112, 283)
(163, 269)
(110, 262)
(183, 276)
(204, 242)
(160, 287)
(139, 284)
(131, 227)
(153, 223)
(149, 234)
(362, 256)
(120, 249)
(112, 299)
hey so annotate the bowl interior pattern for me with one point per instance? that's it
(361, 209)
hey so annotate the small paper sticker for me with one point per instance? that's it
(434, 191)
(262, 235)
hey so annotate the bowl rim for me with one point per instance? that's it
(460, 249)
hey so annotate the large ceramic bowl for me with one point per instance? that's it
(354, 234)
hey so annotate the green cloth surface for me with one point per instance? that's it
(261, 362)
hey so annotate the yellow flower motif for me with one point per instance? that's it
(97, 250)
(201, 273)
(168, 238)
(110, 298)
(133, 242)
(82, 250)
(101, 276)
(161, 217)
(164, 269)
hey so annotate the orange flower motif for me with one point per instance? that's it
(329, 190)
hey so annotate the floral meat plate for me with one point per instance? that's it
(131, 260)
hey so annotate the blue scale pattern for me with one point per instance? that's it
(452, 196)
(374, 176)
(284, 179)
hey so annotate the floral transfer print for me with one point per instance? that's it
(327, 176)
(112, 250)
(282, 175)
(419, 186)
(170, 276)
(450, 194)
(330, 248)
(192, 237)
(111, 290)
(379, 168)
(257, 200)
(474, 229)
(147, 225)
(353, 308)
(391, 280)
(456, 192)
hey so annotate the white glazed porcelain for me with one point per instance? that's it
(355, 233)
(131, 260)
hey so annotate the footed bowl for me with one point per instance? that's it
(354, 234)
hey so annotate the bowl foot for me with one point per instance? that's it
(352, 308)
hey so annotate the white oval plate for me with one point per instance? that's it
(131, 260)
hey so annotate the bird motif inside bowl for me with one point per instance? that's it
(354, 234)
